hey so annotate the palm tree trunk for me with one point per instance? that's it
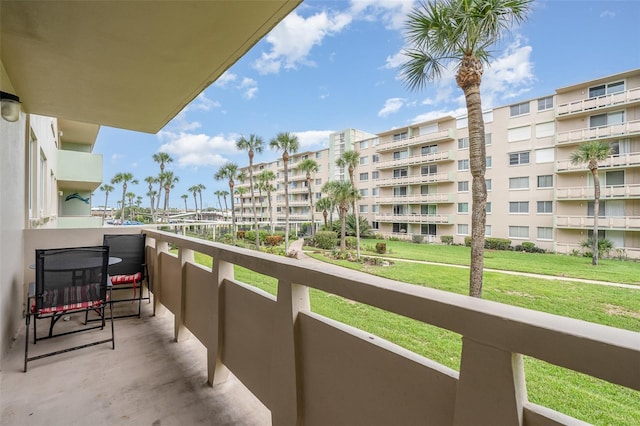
(596, 214)
(104, 212)
(270, 213)
(124, 190)
(343, 229)
(233, 214)
(253, 204)
(313, 220)
(286, 203)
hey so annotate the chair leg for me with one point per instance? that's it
(26, 341)
(113, 338)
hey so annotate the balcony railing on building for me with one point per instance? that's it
(631, 159)
(413, 218)
(587, 106)
(434, 157)
(631, 223)
(417, 179)
(613, 131)
(586, 193)
(417, 199)
(442, 135)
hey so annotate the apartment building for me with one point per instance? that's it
(416, 179)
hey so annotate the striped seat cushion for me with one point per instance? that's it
(69, 298)
(126, 279)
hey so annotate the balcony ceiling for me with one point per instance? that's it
(125, 64)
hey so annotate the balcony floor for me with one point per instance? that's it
(147, 380)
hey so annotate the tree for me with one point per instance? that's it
(351, 159)
(151, 193)
(343, 195)
(265, 179)
(462, 32)
(590, 153)
(161, 158)
(130, 197)
(218, 194)
(229, 172)
(184, 197)
(224, 197)
(201, 188)
(310, 166)
(194, 190)
(287, 143)
(253, 145)
(168, 180)
(107, 189)
(124, 179)
(324, 204)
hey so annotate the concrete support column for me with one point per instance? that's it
(491, 388)
(216, 371)
(286, 380)
(180, 331)
(161, 247)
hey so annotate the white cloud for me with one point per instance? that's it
(116, 157)
(432, 115)
(509, 75)
(392, 12)
(396, 60)
(292, 40)
(202, 103)
(226, 78)
(191, 149)
(250, 87)
(391, 106)
(608, 14)
(313, 139)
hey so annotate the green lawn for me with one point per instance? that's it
(575, 394)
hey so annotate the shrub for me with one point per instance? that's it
(381, 248)
(604, 247)
(273, 240)
(417, 238)
(326, 240)
(446, 239)
(497, 243)
(240, 235)
(350, 242)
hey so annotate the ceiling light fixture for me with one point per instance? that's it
(10, 106)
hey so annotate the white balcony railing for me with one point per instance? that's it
(613, 131)
(442, 135)
(631, 223)
(417, 199)
(434, 157)
(413, 218)
(618, 160)
(417, 179)
(309, 369)
(588, 105)
(584, 192)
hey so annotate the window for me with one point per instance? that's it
(375, 225)
(545, 103)
(519, 158)
(546, 155)
(463, 164)
(318, 154)
(519, 109)
(463, 229)
(519, 182)
(400, 209)
(520, 232)
(399, 191)
(545, 206)
(614, 178)
(545, 130)
(606, 89)
(375, 208)
(431, 169)
(463, 143)
(488, 207)
(364, 160)
(463, 207)
(545, 233)
(463, 186)
(429, 209)
(428, 189)
(489, 183)
(428, 229)
(375, 175)
(364, 192)
(398, 173)
(364, 176)
(364, 144)
(364, 208)
(602, 120)
(399, 155)
(601, 209)
(375, 158)
(400, 136)
(545, 181)
(519, 134)
(429, 149)
(375, 192)
(399, 228)
(489, 162)
(519, 207)
(318, 181)
(487, 230)
(487, 139)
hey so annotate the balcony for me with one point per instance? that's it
(414, 218)
(435, 157)
(417, 179)
(79, 170)
(440, 136)
(417, 199)
(302, 367)
(624, 223)
(606, 192)
(619, 160)
(612, 132)
(602, 103)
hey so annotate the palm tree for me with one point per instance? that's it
(168, 180)
(161, 158)
(285, 142)
(130, 197)
(229, 172)
(124, 179)
(151, 193)
(218, 194)
(310, 166)
(351, 159)
(265, 178)
(107, 189)
(240, 192)
(194, 190)
(253, 145)
(201, 188)
(462, 32)
(224, 197)
(343, 195)
(590, 153)
(184, 197)
(325, 205)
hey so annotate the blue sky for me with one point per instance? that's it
(332, 65)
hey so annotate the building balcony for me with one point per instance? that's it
(79, 170)
(612, 132)
(417, 199)
(413, 218)
(622, 160)
(435, 157)
(440, 136)
(298, 365)
(623, 223)
(601, 103)
(299, 203)
(606, 192)
(417, 179)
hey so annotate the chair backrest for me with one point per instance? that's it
(71, 276)
(130, 248)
